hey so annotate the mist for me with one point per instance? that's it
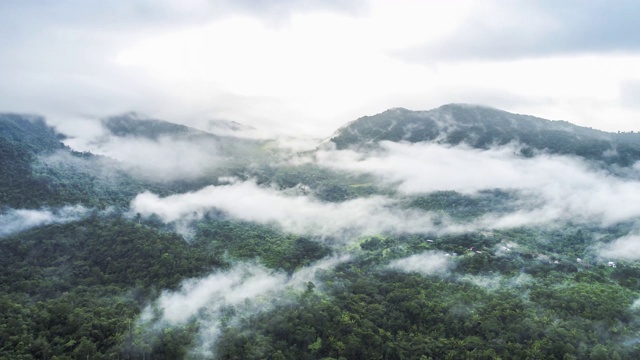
(426, 263)
(623, 248)
(548, 187)
(225, 297)
(13, 221)
(167, 157)
(297, 214)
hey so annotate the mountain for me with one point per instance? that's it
(483, 127)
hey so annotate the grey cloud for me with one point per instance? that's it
(165, 158)
(524, 29)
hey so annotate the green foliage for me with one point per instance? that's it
(464, 207)
(245, 240)
(367, 314)
(75, 288)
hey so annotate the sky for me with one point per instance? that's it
(305, 68)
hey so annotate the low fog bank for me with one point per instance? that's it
(623, 248)
(225, 298)
(16, 220)
(549, 187)
(166, 152)
(296, 214)
(426, 263)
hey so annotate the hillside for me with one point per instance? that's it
(420, 235)
(483, 127)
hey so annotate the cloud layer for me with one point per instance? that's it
(297, 214)
(550, 187)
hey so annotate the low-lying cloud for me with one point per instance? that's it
(16, 220)
(426, 263)
(246, 288)
(165, 158)
(550, 187)
(297, 214)
(624, 248)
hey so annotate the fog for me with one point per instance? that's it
(426, 263)
(166, 157)
(227, 297)
(624, 248)
(549, 187)
(297, 214)
(16, 220)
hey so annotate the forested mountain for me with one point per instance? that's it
(484, 127)
(459, 232)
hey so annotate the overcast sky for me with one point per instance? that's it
(308, 67)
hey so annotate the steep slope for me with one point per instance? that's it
(482, 127)
(39, 170)
(22, 139)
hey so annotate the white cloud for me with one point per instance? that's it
(426, 263)
(217, 290)
(298, 214)
(17, 220)
(550, 187)
(624, 248)
(248, 289)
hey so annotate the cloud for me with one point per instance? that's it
(16, 220)
(246, 288)
(204, 301)
(630, 92)
(297, 214)
(549, 187)
(163, 158)
(426, 263)
(277, 66)
(624, 248)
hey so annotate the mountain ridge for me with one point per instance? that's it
(482, 127)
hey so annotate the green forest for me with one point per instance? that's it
(461, 277)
